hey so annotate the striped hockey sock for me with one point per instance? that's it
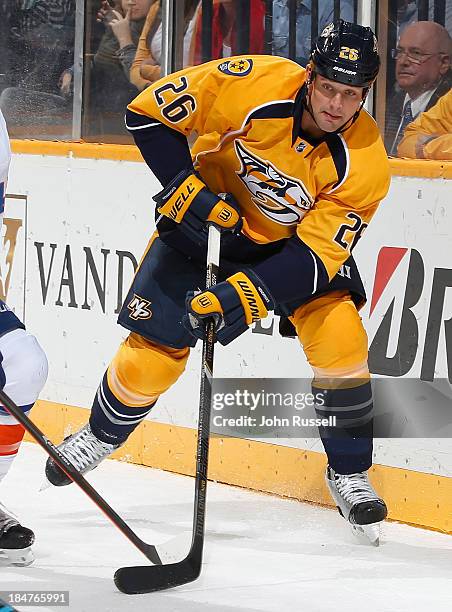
(11, 435)
(349, 444)
(112, 421)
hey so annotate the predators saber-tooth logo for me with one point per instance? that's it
(278, 197)
(139, 308)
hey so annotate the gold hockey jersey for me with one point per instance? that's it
(430, 135)
(245, 113)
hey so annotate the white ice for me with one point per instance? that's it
(261, 553)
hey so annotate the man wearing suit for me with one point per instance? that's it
(423, 73)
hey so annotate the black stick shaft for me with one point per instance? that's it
(146, 579)
(147, 549)
(205, 401)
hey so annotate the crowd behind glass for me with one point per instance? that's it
(122, 55)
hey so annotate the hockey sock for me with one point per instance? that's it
(11, 435)
(112, 421)
(349, 443)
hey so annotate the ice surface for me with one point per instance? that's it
(262, 552)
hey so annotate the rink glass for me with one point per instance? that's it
(50, 71)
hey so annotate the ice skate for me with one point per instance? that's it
(358, 503)
(15, 540)
(83, 450)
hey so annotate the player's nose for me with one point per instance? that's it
(337, 101)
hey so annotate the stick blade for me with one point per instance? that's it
(150, 578)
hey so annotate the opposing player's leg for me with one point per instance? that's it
(24, 372)
(147, 363)
(335, 344)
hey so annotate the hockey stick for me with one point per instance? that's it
(5, 607)
(148, 578)
(148, 550)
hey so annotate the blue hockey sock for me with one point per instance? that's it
(349, 443)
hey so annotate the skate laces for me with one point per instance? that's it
(84, 449)
(7, 519)
(355, 488)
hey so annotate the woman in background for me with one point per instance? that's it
(146, 65)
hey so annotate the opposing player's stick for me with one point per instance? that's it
(5, 607)
(148, 550)
(148, 578)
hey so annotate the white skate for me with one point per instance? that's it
(358, 503)
(83, 450)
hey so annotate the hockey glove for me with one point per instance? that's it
(234, 304)
(187, 201)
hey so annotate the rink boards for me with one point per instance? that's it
(77, 220)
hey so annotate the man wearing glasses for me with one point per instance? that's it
(423, 74)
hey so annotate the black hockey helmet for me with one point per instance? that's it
(347, 53)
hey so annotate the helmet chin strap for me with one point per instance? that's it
(308, 106)
(351, 121)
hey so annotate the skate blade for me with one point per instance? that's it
(44, 485)
(16, 557)
(370, 533)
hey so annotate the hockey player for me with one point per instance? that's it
(23, 372)
(305, 170)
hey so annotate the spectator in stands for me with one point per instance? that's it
(41, 41)
(118, 46)
(430, 135)
(7, 12)
(43, 35)
(407, 11)
(225, 30)
(110, 86)
(146, 65)
(303, 27)
(423, 73)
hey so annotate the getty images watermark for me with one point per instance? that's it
(296, 408)
(264, 411)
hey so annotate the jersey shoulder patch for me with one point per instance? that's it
(236, 67)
